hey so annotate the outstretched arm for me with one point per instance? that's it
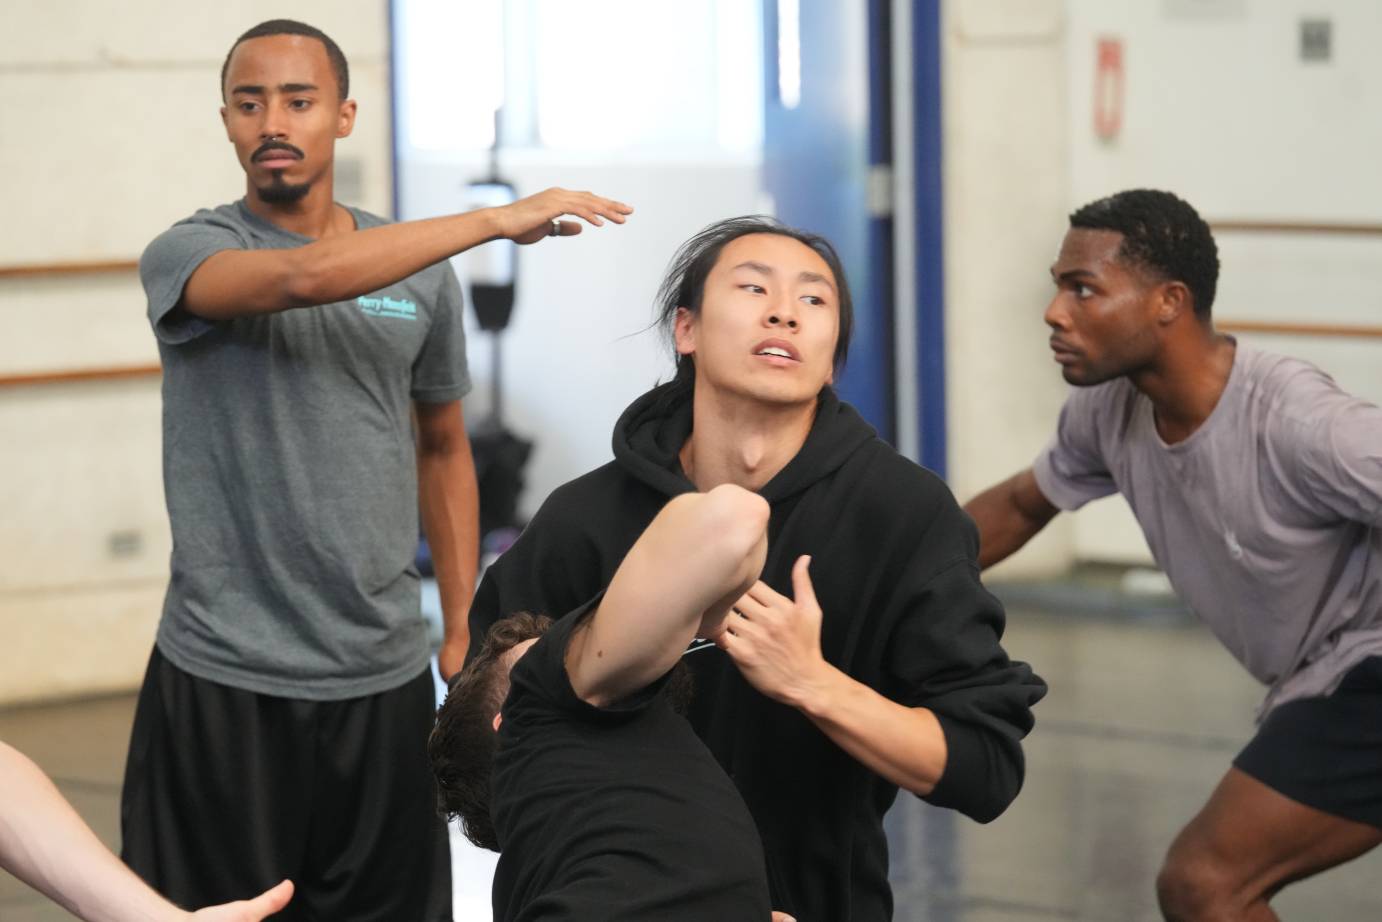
(1008, 516)
(237, 283)
(44, 843)
(678, 580)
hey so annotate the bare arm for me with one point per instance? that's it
(1008, 516)
(235, 283)
(450, 505)
(45, 844)
(690, 564)
(776, 643)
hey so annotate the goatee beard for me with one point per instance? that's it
(279, 192)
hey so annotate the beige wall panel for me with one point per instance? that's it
(72, 322)
(1005, 189)
(91, 186)
(48, 32)
(81, 486)
(79, 642)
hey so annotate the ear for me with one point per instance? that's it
(498, 719)
(225, 122)
(345, 119)
(1173, 301)
(684, 331)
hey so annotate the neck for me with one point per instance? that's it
(1186, 381)
(742, 441)
(314, 215)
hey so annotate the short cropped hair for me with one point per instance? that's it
(463, 743)
(293, 27)
(684, 283)
(1163, 235)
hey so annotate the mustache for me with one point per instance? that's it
(277, 145)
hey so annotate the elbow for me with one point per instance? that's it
(983, 773)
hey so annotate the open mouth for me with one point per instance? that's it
(777, 349)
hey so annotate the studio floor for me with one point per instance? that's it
(1143, 717)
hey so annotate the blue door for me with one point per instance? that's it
(825, 128)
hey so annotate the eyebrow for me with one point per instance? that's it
(1071, 275)
(255, 89)
(761, 269)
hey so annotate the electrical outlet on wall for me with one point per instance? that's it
(1316, 40)
(125, 543)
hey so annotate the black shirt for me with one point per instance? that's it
(904, 612)
(614, 813)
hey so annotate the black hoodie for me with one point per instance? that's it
(894, 568)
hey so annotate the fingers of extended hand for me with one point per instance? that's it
(587, 205)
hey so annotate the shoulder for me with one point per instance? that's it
(224, 220)
(1300, 409)
(1284, 384)
(589, 498)
(888, 487)
(171, 256)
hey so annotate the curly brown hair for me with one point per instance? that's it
(463, 743)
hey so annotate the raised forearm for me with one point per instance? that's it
(904, 745)
(348, 265)
(689, 565)
(238, 283)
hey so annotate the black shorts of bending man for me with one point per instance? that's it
(558, 745)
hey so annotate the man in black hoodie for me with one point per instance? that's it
(897, 679)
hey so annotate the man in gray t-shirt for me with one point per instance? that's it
(1258, 484)
(314, 361)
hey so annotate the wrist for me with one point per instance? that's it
(492, 223)
(815, 690)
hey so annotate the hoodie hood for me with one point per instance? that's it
(649, 435)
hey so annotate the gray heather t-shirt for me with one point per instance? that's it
(290, 473)
(1267, 519)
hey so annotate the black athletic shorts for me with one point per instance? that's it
(1326, 752)
(228, 792)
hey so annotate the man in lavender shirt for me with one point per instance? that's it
(1258, 484)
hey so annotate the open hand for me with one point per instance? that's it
(530, 219)
(775, 641)
(265, 904)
